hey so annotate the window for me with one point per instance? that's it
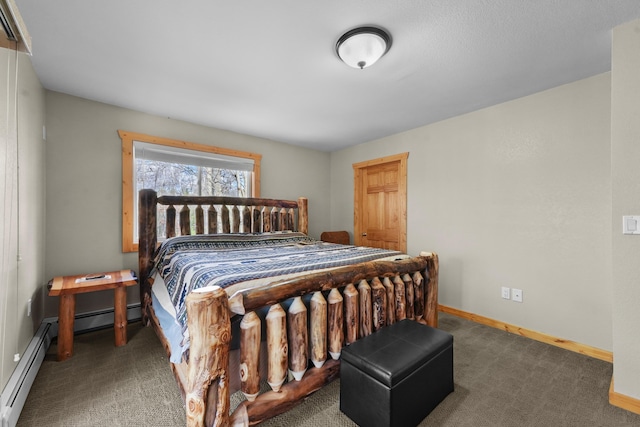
(174, 167)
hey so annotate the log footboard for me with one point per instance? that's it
(294, 346)
(209, 357)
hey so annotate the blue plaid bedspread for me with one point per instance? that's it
(191, 262)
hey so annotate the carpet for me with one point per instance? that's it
(501, 379)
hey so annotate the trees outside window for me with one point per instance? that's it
(176, 179)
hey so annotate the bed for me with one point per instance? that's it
(232, 330)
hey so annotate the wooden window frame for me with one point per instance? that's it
(128, 186)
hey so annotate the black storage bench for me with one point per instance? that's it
(397, 375)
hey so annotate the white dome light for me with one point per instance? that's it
(363, 47)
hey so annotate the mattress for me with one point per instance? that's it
(238, 262)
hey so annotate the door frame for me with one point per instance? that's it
(402, 195)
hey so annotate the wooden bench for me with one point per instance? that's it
(66, 287)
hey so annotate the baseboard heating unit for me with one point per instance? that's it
(17, 389)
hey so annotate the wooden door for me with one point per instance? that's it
(380, 203)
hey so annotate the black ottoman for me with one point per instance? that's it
(397, 375)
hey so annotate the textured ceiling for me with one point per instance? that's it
(269, 68)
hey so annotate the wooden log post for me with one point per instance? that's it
(409, 295)
(303, 217)
(351, 313)
(185, 221)
(391, 299)
(400, 297)
(431, 288)
(318, 330)
(212, 215)
(379, 302)
(283, 220)
(147, 240)
(257, 220)
(366, 320)
(235, 219)
(246, 220)
(290, 219)
(275, 219)
(207, 384)
(336, 323)
(418, 291)
(226, 223)
(199, 220)
(266, 219)
(250, 355)
(277, 347)
(171, 221)
(298, 338)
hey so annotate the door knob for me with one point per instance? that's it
(364, 234)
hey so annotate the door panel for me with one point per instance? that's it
(380, 203)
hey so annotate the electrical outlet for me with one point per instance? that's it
(517, 295)
(29, 307)
(506, 292)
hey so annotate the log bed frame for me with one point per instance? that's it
(359, 300)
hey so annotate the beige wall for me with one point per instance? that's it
(625, 158)
(84, 184)
(22, 154)
(516, 195)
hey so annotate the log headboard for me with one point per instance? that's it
(225, 215)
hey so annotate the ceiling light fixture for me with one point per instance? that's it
(363, 46)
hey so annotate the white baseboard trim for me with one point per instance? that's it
(17, 389)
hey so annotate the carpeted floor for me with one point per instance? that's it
(501, 379)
